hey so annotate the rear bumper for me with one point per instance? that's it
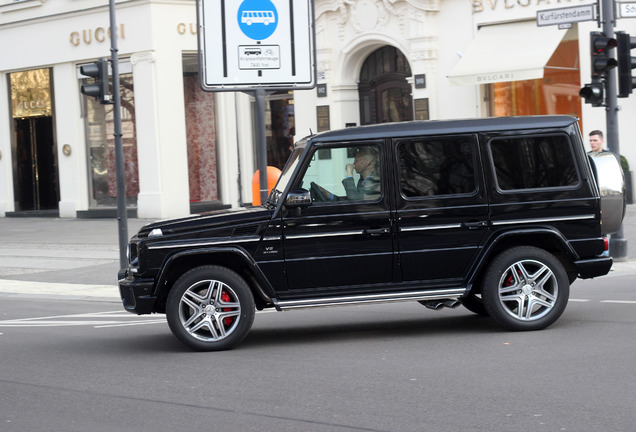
(593, 267)
(135, 294)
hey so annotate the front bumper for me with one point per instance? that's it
(135, 293)
(593, 267)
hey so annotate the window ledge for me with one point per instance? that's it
(15, 5)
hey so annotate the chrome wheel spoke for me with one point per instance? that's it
(191, 302)
(539, 301)
(193, 318)
(520, 272)
(219, 327)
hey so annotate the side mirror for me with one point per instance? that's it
(298, 198)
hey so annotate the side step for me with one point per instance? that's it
(369, 298)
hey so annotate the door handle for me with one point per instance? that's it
(375, 232)
(475, 225)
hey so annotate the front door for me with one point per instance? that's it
(343, 240)
(36, 181)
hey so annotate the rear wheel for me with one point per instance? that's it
(474, 303)
(525, 288)
(210, 308)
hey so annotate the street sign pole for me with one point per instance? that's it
(261, 142)
(122, 217)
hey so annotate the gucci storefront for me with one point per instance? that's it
(188, 151)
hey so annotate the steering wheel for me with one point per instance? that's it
(316, 193)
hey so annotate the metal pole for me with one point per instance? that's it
(261, 142)
(122, 217)
(618, 243)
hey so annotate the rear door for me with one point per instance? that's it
(442, 210)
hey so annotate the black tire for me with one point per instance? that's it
(525, 288)
(474, 303)
(210, 308)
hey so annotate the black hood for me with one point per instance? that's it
(215, 220)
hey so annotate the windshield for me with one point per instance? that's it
(286, 175)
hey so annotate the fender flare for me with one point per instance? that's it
(262, 288)
(489, 249)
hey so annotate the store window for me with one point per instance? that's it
(200, 136)
(99, 120)
(556, 93)
(385, 95)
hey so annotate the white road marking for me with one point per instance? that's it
(619, 301)
(97, 320)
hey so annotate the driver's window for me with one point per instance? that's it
(344, 174)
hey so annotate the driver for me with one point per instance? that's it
(365, 163)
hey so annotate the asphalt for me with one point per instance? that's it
(79, 258)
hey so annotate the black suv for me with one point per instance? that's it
(500, 215)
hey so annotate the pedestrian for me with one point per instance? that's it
(596, 143)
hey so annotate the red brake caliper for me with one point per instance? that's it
(509, 281)
(226, 298)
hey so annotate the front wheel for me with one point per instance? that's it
(210, 308)
(525, 288)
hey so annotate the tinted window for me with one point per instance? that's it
(344, 174)
(436, 166)
(533, 162)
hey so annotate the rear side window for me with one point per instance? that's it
(433, 166)
(533, 162)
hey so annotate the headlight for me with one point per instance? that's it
(156, 233)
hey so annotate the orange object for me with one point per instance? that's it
(273, 174)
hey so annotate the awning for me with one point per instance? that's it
(507, 52)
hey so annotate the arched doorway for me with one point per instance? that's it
(385, 95)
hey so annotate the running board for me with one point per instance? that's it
(374, 298)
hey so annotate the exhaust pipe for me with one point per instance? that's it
(440, 304)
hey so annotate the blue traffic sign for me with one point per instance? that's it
(257, 19)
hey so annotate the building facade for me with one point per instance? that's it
(188, 151)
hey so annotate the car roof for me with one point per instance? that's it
(437, 127)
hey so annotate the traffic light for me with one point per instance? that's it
(593, 93)
(100, 89)
(602, 62)
(626, 82)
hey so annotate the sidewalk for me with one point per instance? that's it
(79, 258)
